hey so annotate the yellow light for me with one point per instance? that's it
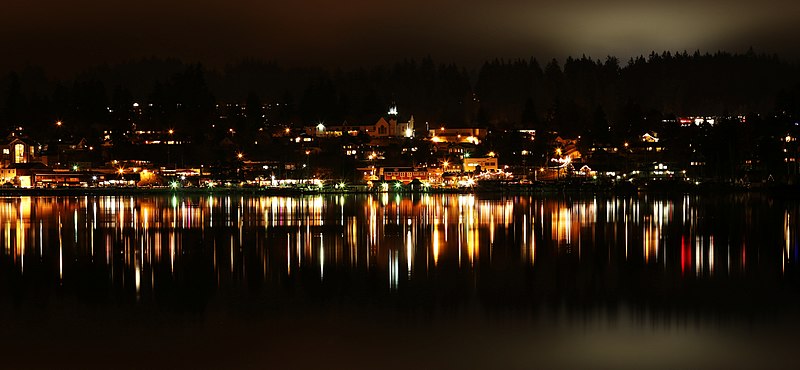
(59, 123)
(240, 155)
(558, 151)
(491, 154)
(120, 170)
(171, 131)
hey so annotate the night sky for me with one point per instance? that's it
(69, 35)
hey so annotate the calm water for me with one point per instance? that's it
(424, 281)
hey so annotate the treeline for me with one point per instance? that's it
(581, 95)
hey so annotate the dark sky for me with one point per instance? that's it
(67, 35)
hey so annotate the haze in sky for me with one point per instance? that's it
(70, 35)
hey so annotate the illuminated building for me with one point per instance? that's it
(16, 149)
(480, 163)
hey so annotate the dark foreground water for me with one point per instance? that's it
(389, 281)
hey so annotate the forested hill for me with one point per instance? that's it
(571, 95)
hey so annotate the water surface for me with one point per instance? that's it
(421, 281)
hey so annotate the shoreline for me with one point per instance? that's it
(784, 190)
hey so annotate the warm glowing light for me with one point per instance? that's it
(59, 123)
(491, 154)
(171, 131)
(240, 155)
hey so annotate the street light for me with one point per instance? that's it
(306, 166)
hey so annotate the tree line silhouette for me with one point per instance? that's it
(605, 98)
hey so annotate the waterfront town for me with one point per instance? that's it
(670, 120)
(393, 152)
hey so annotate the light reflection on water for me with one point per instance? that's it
(568, 246)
